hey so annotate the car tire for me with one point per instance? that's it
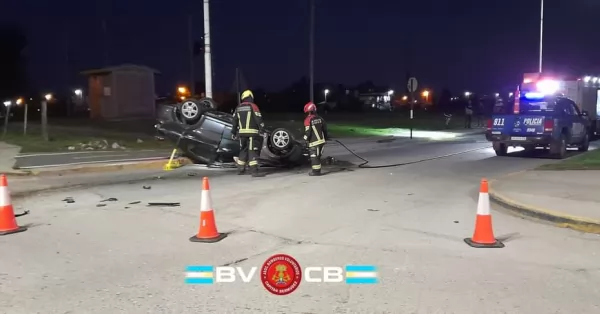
(192, 109)
(585, 145)
(558, 150)
(281, 139)
(500, 149)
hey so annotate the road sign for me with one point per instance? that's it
(412, 85)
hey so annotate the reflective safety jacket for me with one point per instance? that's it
(247, 120)
(315, 130)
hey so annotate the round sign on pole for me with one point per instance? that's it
(412, 85)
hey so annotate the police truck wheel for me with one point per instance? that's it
(280, 139)
(585, 145)
(500, 149)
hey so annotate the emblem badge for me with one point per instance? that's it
(281, 274)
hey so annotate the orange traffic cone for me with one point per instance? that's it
(483, 237)
(208, 228)
(8, 223)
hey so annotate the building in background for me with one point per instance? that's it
(122, 92)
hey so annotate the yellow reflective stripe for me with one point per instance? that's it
(248, 116)
(306, 128)
(318, 151)
(316, 167)
(250, 145)
(241, 163)
(258, 114)
(315, 143)
(316, 133)
(248, 131)
(253, 163)
(239, 120)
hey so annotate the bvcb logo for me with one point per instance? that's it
(281, 274)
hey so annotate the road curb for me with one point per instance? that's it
(556, 218)
(97, 168)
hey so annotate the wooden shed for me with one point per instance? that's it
(122, 92)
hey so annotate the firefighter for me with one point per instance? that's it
(315, 135)
(247, 124)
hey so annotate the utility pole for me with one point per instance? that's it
(541, 32)
(191, 47)
(312, 51)
(207, 52)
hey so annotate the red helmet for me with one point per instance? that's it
(310, 107)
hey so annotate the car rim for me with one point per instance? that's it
(189, 109)
(281, 139)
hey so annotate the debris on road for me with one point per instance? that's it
(372, 210)
(147, 187)
(133, 203)
(22, 214)
(69, 200)
(164, 204)
(100, 205)
(112, 199)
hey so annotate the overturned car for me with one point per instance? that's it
(203, 134)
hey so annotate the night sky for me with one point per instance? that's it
(460, 44)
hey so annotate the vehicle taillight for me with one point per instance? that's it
(489, 124)
(548, 125)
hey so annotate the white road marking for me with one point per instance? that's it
(94, 162)
(92, 157)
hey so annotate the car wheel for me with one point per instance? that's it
(558, 150)
(280, 139)
(191, 109)
(585, 145)
(500, 149)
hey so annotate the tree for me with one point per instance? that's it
(13, 66)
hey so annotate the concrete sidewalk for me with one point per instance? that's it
(568, 199)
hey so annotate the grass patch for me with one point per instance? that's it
(365, 125)
(586, 161)
(65, 140)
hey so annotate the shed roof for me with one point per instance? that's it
(123, 67)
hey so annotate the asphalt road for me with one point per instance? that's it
(409, 221)
(42, 160)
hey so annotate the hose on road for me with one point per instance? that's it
(366, 166)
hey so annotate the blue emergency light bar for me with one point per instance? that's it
(534, 95)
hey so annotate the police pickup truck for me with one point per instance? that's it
(540, 120)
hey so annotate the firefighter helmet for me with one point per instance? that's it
(247, 93)
(310, 107)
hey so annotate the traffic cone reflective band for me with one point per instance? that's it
(207, 232)
(483, 237)
(8, 222)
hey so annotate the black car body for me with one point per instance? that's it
(209, 139)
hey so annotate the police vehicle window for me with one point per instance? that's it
(575, 108)
(536, 105)
(566, 107)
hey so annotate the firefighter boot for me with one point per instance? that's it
(315, 173)
(241, 171)
(255, 173)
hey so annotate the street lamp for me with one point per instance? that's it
(426, 93)
(390, 92)
(404, 98)
(7, 103)
(467, 94)
(48, 97)
(325, 92)
(497, 95)
(78, 92)
(510, 94)
(541, 32)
